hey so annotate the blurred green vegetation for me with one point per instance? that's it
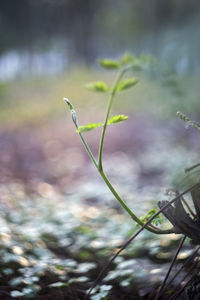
(36, 100)
(81, 29)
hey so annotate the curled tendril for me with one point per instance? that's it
(189, 123)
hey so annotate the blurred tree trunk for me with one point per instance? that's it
(81, 32)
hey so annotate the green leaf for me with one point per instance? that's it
(128, 58)
(98, 86)
(88, 127)
(117, 119)
(109, 64)
(156, 221)
(126, 84)
(91, 126)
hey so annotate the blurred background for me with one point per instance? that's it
(49, 50)
(47, 36)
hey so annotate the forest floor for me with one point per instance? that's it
(60, 224)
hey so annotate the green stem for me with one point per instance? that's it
(89, 151)
(170, 268)
(128, 210)
(116, 195)
(110, 102)
(75, 121)
(99, 164)
(100, 167)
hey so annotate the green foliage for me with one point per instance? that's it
(111, 121)
(98, 86)
(182, 116)
(126, 84)
(120, 84)
(128, 58)
(88, 127)
(117, 119)
(188, 121)
(138, 63)
(156, 221)
(149, 221)
(109, 64)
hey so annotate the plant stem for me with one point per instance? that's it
(182, 267)
(128, 210)
(116, 195)
(89, 151)
(110, 102)
(170, 268)
(192, 167)
(75, 121)
(99, 164)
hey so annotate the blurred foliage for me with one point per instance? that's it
(38, 99)
(58, 242)
(81, 29)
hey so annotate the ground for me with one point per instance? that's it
(60, 224)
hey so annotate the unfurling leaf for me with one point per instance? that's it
(98, 86)
(117, 119)
(109, 64)
(88, 127)
(126, 84)
(73, 113)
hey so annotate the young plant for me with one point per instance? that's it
(125, 64)
(181, 221)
